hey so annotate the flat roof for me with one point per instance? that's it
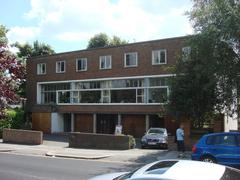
(107, 47)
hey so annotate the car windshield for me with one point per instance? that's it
(156, 131)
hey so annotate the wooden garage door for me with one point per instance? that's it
(41, 122)
(83, 123)
(134, 125)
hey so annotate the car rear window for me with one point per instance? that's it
(211, 140)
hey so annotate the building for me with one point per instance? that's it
(93, 90)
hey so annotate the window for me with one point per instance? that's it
(224, 140)
(186, 51)
(81, 64)
(60, 66)
(48, 92)
(158, 95)
(41, 68)
(131, 59)
(105, 62)
(159, 57)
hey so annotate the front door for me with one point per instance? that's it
(67, 122)
(106, 123)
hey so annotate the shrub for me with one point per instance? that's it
(132, 142)
(14, 119)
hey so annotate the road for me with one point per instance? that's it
(20, 167)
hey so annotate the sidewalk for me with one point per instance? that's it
(60, 149)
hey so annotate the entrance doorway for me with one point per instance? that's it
(67, 122)
(156, 121)
(106, 123)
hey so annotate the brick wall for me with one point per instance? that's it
(145, 67)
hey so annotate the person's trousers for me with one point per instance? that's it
(181, 146)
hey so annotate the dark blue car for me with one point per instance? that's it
(222, 148)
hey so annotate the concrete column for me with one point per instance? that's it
(146, 84)
(72, 122)
(119, 119)
(147, 122)
(94, 123)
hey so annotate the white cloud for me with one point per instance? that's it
(78, 20)
(23, 34)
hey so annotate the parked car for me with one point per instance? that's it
(222, 148)
(176, 169)
(155, 137)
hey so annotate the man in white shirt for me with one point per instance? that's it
(180, 140)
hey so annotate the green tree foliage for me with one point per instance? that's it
(206, 82)
(27, 50)
(36, 49)
(103, 40)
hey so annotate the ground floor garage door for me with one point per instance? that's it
(134, 125)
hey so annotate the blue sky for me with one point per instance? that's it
(68, 24)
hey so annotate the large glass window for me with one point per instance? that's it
(131, 59)
(64, 97)
(123, 96)
(157, 95)
(60, 66)
(159, 56)
(139, 90)
(90, 97)
(41, 68)
(105, 62)
(48, 92)
(81, 64)
(161, 81)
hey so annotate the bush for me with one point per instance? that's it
(132, 142)
(4, 123)
(14, 119)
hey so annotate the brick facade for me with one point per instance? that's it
(132, 117)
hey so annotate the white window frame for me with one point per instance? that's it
(39, 69)
(159, 55)
(105, 59)
(60, 68)
(125, 59)
(81, 59)
(186, 51)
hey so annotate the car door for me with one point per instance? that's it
(226, 149)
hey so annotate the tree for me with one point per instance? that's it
(27, 50)
(11, 74)
(206, 83)
(103, 40)
(37, 49)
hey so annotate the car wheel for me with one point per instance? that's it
(143, 147)
(208, 159)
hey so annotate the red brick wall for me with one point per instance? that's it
(145, 67)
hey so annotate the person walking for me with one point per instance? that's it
(180, 141)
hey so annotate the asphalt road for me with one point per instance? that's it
(20, 167)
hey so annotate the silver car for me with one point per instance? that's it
(176, 170)
(157, 137)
